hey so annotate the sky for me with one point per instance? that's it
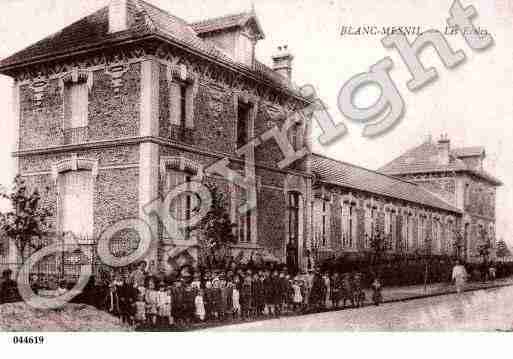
(472, 103)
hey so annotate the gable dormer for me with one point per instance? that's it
(237, 35)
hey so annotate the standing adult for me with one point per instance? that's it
(138, 276)
(459, 276)
(8, 288)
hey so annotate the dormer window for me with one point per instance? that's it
(235, 35)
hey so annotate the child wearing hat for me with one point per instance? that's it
(208, 300)
(151, 299)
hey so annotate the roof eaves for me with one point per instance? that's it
(119, 40)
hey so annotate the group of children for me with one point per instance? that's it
(219, 296)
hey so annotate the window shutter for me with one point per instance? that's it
(345, 223)
(368, 223)
(79, 93)
(174, 103)
(189, 106)
(77, 203)
(176, 178)
(354, 235)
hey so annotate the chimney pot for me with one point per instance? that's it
(118, 16)
(444, 148)
(282, 62)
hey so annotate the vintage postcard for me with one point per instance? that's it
(298, 165)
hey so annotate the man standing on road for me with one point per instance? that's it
(459, 276)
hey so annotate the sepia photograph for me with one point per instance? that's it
(255, 166)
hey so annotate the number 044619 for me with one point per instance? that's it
(28, 340)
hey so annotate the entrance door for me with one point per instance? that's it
(294, 230)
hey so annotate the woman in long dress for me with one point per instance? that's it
(459, 276)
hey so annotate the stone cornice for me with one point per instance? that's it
(138, 140)
(139, 48)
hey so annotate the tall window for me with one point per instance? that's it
(183, 105)
(244, 219)
(388, 229)
(182, 206)
(406, 231)
(370, 225)
(349, 225)
(76, 199)
(243, 114)
(411, 228)
(449, 242)
(79, 98)
(434, 236)
(325, 223)
(393, 229)
(466, 199)
(76, 121)
(295, 136)
(422, 232)
(293, 217)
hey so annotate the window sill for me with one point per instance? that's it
(180, 242)
(246, 246)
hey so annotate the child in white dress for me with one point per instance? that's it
(298, 297)
(236, 302)
(164, 306)
(199, 306)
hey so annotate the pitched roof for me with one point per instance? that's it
(425, 159)
(227, 22)
(143, 19)
(348, 175)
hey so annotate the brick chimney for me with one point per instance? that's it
(282, 62)
(118, 16)
(444, 148)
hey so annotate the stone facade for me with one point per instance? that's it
(129, 135)
(463, 182)
(135, 134)
(400, 242)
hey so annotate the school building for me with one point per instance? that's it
(121, 106)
